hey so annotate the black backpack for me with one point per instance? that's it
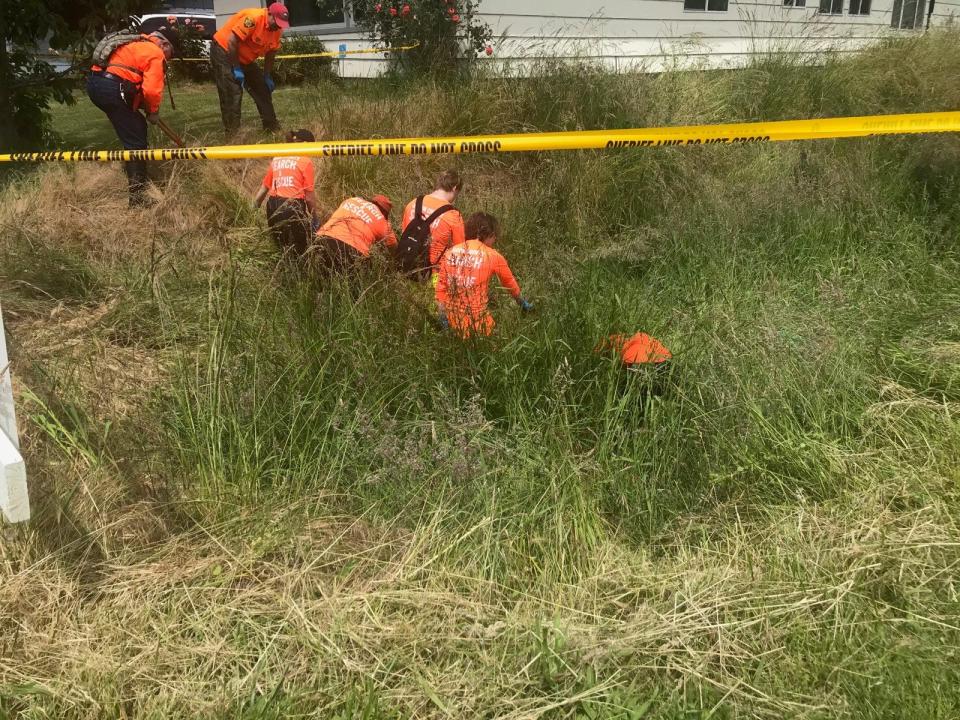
(413, 247)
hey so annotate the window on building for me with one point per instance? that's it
(309, 12)
(706, 5)
(831, 7)
(908, 14)
(794, 3)
(859, 7)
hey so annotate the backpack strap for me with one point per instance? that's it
(417, 212)
(436, 213)
(127, 67)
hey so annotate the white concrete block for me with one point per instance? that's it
(14, 502)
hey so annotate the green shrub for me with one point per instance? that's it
(296, 72)
(446, 33)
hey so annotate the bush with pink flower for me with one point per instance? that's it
(448, 34)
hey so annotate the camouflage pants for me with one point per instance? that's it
(231, 93)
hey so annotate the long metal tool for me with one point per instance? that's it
(169, 133)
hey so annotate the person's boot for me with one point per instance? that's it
(138, 181)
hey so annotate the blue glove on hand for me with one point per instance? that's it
(444, 322)
(315, 225)
(268, 81)
(238, 76)
(526, 305)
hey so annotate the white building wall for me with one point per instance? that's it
(647, 34)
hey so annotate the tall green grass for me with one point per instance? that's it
(354, 515)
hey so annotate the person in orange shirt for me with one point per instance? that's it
(131, 80)
(291, 202)
(641, 354)
(446, 228)
(639, 349)
(463, 280)
(248, 35)
(358, 224)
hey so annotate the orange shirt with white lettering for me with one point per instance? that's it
(254, 36)
(289, 177)
(359, 223)
(463, 286)
(445, 232)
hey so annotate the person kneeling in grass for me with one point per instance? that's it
(463, 283)
(291, 203)
(347, 237)
(642, 356)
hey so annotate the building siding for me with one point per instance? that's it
(646, 34)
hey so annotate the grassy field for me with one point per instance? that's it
(261, 496)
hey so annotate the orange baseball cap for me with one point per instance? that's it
(382, 202)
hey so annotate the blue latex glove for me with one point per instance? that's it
(526, 305)
(444, 322)
(238, 76)
(268, 81)
(315, 225)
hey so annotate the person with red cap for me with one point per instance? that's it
(131, 79)
(248, 35)
(346, 239)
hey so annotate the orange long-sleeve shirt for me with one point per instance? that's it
(359, 223)
(445, 232)
(140, 62)
(254, 36)
(463, 285)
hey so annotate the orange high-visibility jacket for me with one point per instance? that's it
(445, 232)
(640, 349)
(142, 63)
(254, 36)
(463, 285)
(359, 223)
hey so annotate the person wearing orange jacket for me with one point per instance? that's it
(131, 80)
(446, 228)
(291, 201)
(463, 280)
(346, 239)
(641, 355)
(248, 35)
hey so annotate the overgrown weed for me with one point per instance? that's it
(261, 495)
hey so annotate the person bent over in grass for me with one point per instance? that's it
(463, 281)
(291, 203)
(419, 252)
(132, 81)
(346, 238)
(641, 355)
(250, 34)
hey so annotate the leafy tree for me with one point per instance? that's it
(28, 85)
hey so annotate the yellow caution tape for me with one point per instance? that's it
(735, 134)
(362, 51)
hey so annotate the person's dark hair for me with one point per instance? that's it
(449, 180)
(300, 136)
(481, 226)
